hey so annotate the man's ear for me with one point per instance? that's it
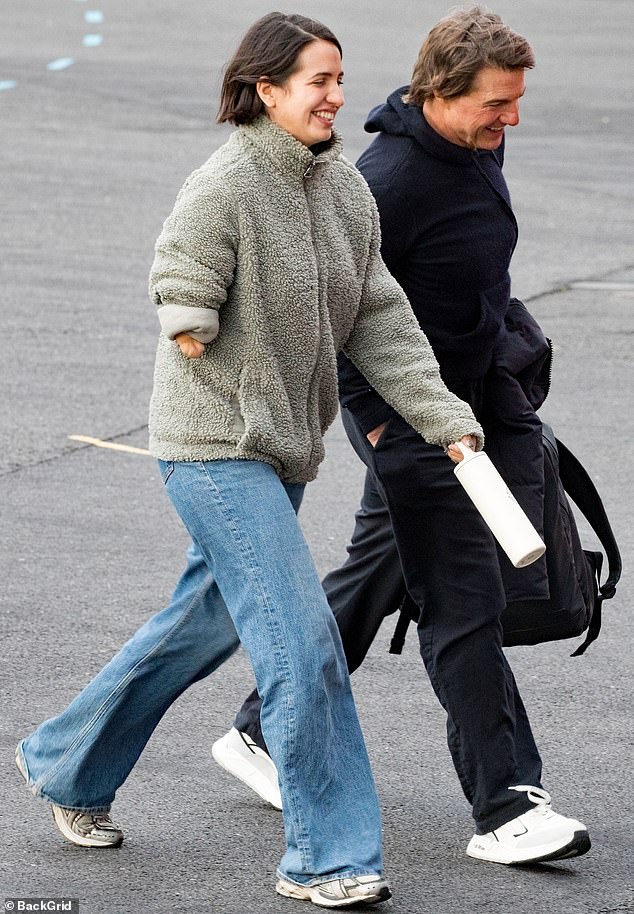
(266, 92)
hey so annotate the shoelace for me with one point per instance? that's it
(103, 820)
(88, 821)
(538, 796)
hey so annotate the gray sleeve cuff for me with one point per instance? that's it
(201, 323)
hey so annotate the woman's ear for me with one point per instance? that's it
(266, 92)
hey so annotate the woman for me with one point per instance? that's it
(267, 267)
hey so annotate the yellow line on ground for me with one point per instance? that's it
(97, 442)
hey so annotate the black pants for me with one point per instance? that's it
(417, 529)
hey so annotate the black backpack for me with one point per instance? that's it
(574, 573)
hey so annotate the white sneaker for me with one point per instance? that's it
(534, 837)
(338, 893)
(238, 754)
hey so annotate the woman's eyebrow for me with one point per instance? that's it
(325, 73)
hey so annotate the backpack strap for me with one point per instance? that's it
(400, 631)
(408, 612)
(581, 489)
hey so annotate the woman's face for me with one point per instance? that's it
(306, 105)
(477, 120)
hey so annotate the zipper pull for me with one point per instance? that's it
(309, 171)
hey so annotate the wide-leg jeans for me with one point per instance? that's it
(417, 532)
(249, 578)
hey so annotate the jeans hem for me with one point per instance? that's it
(321, 880)
(38, 793)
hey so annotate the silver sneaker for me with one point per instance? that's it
(87, 829)
(338, 893)
(240, 756)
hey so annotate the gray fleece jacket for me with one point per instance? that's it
(271, 257)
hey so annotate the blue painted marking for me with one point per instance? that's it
(93, 16)
(60, 64)
(92, 41)
(7, 84)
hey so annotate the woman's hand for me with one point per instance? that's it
(454, 451)
(191, 348)
(375, 434)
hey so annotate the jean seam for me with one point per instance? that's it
(107, 702)
(303, 840)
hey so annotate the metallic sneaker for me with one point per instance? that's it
(338, 893)
(240, 756)
(536, 836)
(87, 829)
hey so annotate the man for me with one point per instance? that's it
(448, 234)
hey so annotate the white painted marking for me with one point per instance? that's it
(92, 41)
(111, 445)
(603, 285)
(93, 16)
(60, 64)
(7, 84)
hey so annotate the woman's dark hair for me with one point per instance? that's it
(268, 50)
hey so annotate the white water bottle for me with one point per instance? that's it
(499, 508)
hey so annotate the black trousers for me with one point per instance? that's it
(416, 530)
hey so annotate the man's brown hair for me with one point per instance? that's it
(458, 47)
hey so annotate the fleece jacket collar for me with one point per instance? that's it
(288, 155)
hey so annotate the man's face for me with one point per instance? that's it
(477, 120)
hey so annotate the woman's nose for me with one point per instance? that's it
(335, 96)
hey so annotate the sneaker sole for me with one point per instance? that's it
(235, 765)
(311, 893)
(578, 845)
(62, 825)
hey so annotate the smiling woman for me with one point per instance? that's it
(307, 104)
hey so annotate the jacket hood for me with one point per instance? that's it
(396, 118)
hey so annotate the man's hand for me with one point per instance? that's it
(191, 348)
(454, 451)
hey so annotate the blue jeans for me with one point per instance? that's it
(247, 548)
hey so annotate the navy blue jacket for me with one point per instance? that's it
(448, 235)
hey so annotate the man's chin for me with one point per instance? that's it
(491, 140)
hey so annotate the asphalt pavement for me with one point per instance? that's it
(104, 110)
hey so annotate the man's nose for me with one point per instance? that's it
(511, 115)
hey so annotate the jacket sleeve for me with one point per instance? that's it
(392, 352)
(398, 231)
(194, 259)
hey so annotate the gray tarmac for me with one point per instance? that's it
(97, 135)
